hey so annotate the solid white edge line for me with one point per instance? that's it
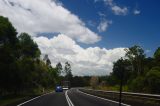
(33, 99)
(103, 98)
(68, 99)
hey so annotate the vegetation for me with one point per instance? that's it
(138, 72)
(94, 82)
(23, 71)
(21, 68)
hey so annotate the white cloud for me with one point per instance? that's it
(103, 25)
(37, 16)
(136, 12)
(101, 14)
(89, 61)
(117, 10)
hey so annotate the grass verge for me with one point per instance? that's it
(14, 100)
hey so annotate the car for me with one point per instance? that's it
(65, 87)
(58, 89)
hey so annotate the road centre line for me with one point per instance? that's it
(68, 99)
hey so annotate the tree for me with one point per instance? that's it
(21, 69)
(136, 57)
(121, 70)
(47, 60)
(68, 71)
(28, 47)
(7, 32)
(94, 81)
(153, 80)
(157, 54)
(137, 84)
(59, 68)
(8, 55)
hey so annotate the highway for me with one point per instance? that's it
(72, 97)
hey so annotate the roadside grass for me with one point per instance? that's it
(112, 88)
(13, 100)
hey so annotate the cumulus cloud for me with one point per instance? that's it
(103, 25)
(49, 16)
(136, 12)
(84, 61)
(39, 16)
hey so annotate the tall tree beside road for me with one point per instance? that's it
(21, 69)
(136, 56)
(121, 68)
(28, 47)
(68, 71)
(59, 68)
(7, 32)
(47, 60)
(8, 55)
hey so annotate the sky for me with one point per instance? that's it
(89, 34)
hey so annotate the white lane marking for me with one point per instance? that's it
(103, 98)
(68, 99)
(33, 99)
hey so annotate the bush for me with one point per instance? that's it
(153, 80)
(137, 84)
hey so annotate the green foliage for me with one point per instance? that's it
(21, 69)
(137, 84)
(7, 31)
(136, 57)
(28, 46)
(68, 71)
(139, 73)
(121, 71)
(157, 54)
(94, 82)
(80, 81)
(59, 68)
(153, 80)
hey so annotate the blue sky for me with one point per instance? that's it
(125, 31)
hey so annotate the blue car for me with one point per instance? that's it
(59, 89)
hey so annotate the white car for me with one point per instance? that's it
(65, 87)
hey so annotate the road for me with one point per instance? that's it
(72, 97)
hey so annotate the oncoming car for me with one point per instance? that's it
(58, 89)
(66, 85)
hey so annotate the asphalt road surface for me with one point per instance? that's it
(72, 97)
